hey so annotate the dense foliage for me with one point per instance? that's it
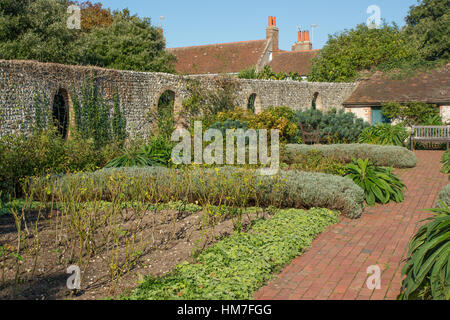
(348, 53)
(37, 30)
(384, 134)
(422, 44)
(446, 162)
(444, 197)
(427, 268)
(387, 156)
(380, 184)
(234, 187)
(47, 152)
(335, 126)
(413, 113)
(237, 266)
(428, 26)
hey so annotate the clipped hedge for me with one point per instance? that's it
(444, 197)
(237, 187)
(387, 156)
(234, 268)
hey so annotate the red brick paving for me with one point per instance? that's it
(335, 268)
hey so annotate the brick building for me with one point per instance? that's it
(230, 58)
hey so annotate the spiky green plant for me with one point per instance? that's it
(427, 268)
(446, 162)
(384, 134)
(380, 184)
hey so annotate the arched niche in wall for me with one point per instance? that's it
(254, 103)
(317, 102)
(166, 112)
(60, 112)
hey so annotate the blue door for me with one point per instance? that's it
(378, 117)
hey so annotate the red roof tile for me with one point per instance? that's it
(294, 61)
(219, 58)
(431, 87)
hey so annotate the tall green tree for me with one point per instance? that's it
(428, 25)
(359, 49)
(129, 43)
(37, 30)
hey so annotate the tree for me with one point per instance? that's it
(94, 16)
(129, 43)
(36, 29)
(348, 53)
(428, 25)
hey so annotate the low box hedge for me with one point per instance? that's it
(444, 197)
(231, 186)
(386, 156)
(234, 268)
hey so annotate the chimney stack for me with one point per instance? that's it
(303, 44)
(272, 34)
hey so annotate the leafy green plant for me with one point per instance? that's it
(427, 268)
(313, 161)
(335, 126)
(379, 184)
(446, 162)
(237, 266)
(268, 74)
(413, 113)
(157, 153)
(385, 135)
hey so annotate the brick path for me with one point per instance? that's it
(335, 268)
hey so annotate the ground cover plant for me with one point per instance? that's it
(444, 197)
(237, 266)
(380, 184)
(427, 268)
(234, 187)
(386, 156)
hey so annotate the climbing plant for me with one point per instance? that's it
(93, 117)
(41, 109)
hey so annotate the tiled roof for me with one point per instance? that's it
(294, 61)
(431, 87)
(219, 58)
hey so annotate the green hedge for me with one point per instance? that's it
(388, 156)
(236, 187)
(444, 196)
(234, 268)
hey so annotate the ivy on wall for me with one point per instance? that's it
(41, 110)
(93, 118)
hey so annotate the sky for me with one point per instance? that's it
(199, 22)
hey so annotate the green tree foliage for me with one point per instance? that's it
(37, 30)
(348, 53)
(428, 25)
(413, 113)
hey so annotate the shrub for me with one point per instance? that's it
(281, 118)
(268, 74)
(157, 153)
(379, 184)
(313, 161)
(386, 156)
(47, 152)
(427, 268)
(412, 114)
(444, 197)
(446, 162)
(234, 187)
(335, 126)
(385, 135)
(234, 268)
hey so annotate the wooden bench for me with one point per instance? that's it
(310, 136)
(438, 134)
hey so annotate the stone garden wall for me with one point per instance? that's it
(139, 92)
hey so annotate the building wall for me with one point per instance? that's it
(139, 92)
